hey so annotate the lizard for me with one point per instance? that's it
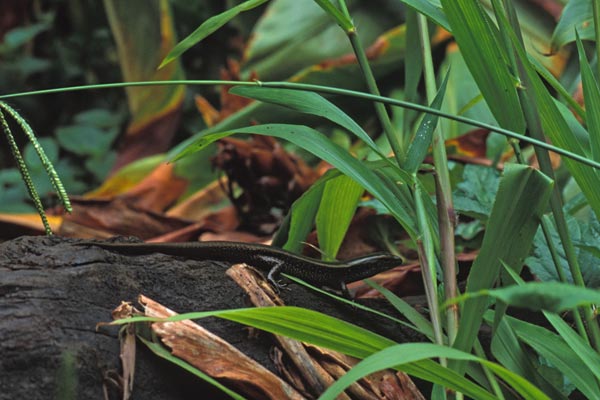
(327, 274)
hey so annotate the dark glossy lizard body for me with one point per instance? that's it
(334, 275)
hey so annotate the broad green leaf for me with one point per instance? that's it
(338, 205)
(160, 351)
(522, 198)
(484, 53)
(553, 348)
(591, 96)
(420, 144)
(143, 35)
(84, 140)
(295, 35)
(322, 147)
(577, 15)
(209, 26)
(585, 236)
(309, 103)
(474, 196)
(408, 356)
(22, 34)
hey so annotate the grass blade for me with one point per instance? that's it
(483, 52)
(209, 26)
(522, 197)
(318, 144)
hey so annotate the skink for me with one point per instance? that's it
(332, 275)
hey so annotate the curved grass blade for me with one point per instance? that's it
(556, 350)
(209, 26)
(338, 205)
(309, 103)
(512, 354)
(479, 42)
(323, 330)
(403, 356)
(555, 297)
(522, 198)
(318, 144)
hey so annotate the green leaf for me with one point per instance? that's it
(578, 345)
(322, 147)
(420, 144)
(19, 36)
(408, 357)
(323, 330)
(31, 157)
(83, 139)
(338, 204)
(432, 9)
(310, 46)
(209, 26)
(585, 236)
(511, 354)
(339, 18)
(143, 35)
(481, 47)
(553, 348)
(422, 324)
(100, 117)
(474, 196)
(522, 198)
(591, 96)
(559, 132)
(463, 97)
(577, 15)
(549, 296)
(302, 215)
(309, 103)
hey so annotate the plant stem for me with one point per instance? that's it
(396, 144)
(428, 265)
(443, 192)
(327, 90)
(384, 118)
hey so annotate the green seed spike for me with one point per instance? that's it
(54, 178)
(24, 172)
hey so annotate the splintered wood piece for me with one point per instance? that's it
(217, 358)
(312, 369)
